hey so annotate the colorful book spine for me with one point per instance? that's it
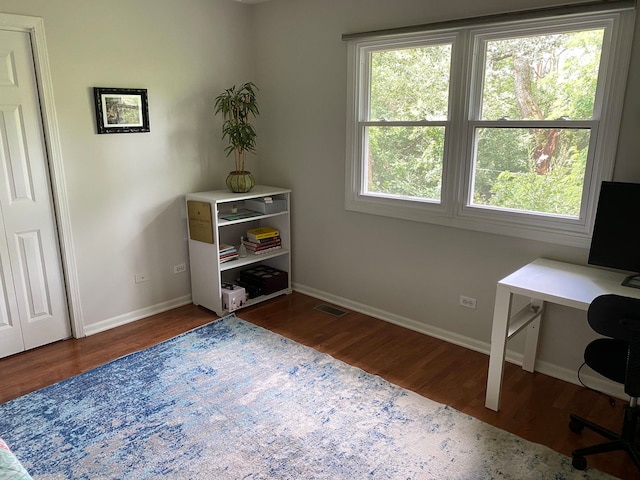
(264, 250)
(249, 246)
(230, 257)
(262, 233)
(264, 240)
(262, 243)
(224, 248)
(227, 252)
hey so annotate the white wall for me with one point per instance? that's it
(412, 273)
(126, 190)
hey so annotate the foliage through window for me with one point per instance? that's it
(410, 89)
(550, 78)
(499, 126)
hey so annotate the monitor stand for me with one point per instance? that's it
(632, 281)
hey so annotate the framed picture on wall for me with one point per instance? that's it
(121, 110)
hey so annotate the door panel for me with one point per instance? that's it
(14, 158)
(10, 329)
(33, 272)
(29, 251)
(7, 69)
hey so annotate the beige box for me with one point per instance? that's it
(200, 223)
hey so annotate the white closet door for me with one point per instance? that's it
(33, 307)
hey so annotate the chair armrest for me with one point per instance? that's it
(632, 324)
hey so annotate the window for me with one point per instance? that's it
(503, 127)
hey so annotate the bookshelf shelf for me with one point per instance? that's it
(209, 231)
(251, 258)
(224, 223)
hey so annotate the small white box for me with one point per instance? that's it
(263, 205)
(233, 298)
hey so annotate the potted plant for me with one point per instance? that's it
(237, 105)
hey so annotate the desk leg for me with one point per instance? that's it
(533, 332)
(499, 331)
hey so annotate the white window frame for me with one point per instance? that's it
(455, 209)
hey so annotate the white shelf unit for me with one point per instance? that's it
(207, 273)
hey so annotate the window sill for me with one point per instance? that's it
(565, 233)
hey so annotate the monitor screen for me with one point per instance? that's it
(616, 232)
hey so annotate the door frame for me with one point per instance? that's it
(34, 26)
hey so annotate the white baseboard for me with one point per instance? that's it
(568, 375)
(136, 315)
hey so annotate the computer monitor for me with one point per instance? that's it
(616, 232)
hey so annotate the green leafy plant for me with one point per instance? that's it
(237, 106)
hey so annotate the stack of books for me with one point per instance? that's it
(227, 252)
(262, 240)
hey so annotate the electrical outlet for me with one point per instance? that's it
(180, 268)
(142, 277)
(468, 302)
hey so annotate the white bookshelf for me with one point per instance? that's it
(207, 273)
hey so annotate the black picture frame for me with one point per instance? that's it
(121, 110)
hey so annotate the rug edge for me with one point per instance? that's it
(135, 352)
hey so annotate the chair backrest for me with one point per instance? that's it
(618, 317)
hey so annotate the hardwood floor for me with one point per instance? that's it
(535, 407)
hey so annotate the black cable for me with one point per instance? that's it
(612, 401)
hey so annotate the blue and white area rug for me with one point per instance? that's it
(230, 400)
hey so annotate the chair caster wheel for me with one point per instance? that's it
(575, 426)
(579, 462)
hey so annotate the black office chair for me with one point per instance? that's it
(616, 358)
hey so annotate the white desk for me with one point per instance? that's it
(542, 281)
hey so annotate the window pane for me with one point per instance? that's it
(410, 84)
(535, 170)
(543, 77)
(405, 161)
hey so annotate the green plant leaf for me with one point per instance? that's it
(237, 106)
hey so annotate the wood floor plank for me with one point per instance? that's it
(535, 406)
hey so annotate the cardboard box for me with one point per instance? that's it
(200, 224)
(262, 205)
(233, 298)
